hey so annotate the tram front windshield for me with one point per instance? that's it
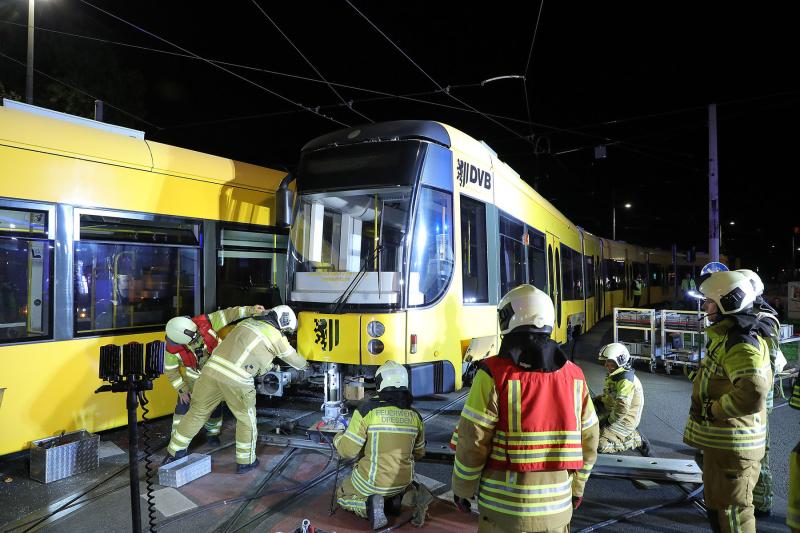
(337, 235)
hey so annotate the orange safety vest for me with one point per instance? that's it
(209, 339)
(539, 426)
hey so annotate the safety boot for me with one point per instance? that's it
(213, 441)
(180, 454)
(394, 504)
(243, 469)
(375, 512)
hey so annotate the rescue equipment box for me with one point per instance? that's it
(55, 458)
(183, 470)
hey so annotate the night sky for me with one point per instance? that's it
(635, 77)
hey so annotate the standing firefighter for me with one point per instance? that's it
(190, 342)
(527, 437)
(727, 418)
(638, 286)
(763, 492)
(389, 436)
(621, 404)
(247, 351)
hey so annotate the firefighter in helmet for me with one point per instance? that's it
(727, 418)
(620, 406)
(246, 352)
(527, 437)
(189, 343)
(388, 435)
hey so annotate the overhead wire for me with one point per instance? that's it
(528, 65)
(239, 76)
(349, 105)
(81, 91)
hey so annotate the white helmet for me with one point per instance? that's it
(526, 306)
(181, 330)
(287, 320)
(617, 352)
(731, 291)
(391, 374)
(754, 278)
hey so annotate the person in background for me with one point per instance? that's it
(638, 286)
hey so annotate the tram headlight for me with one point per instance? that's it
(376, 329)
(375, 346)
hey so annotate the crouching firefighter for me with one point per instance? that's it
(621, 404)
(190, 341)
(527, 437)
(728, 414)
(389, 435)
(248, 351)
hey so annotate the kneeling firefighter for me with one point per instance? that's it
(248, 351)
(527, 437)
(621, 404)
(390, 435)
(190, 342)
(728, 414)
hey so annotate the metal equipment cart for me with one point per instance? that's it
(682, 323)
(644, 320)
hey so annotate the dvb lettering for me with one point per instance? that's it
(466, 173)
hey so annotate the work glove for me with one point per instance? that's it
(463, 504)
(577, 501)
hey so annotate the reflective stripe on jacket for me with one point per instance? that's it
(623, 399)
(729, 393)
(390, 439)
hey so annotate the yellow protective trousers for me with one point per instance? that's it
(729, 481)
(207, 395)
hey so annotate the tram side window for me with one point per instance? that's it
(567, 274)
(615, 272)
(26, 269)
(589, 263)
(473, 251)
(432, 248)
(251, 268)
(655, 275)
(133, 274)
(537, 261)
(512, 254)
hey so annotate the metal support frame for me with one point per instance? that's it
(670, 357)
(648, 327)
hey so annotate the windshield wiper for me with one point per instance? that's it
(356, 280)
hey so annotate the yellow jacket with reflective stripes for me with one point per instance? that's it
(248, 351)
(794, 401)
(180, 376)
(516, 501)
(623, 399)
(390, 439)
(729, 393)
(793, 510)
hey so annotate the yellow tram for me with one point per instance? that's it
(104, 236)
(406, 234)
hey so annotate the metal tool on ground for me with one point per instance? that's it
(139, 369)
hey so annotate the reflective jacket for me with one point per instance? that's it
(729, 393)
(182, 362)
(793, 509)
(526, 445)
(623, 399)
(249, 351)
(794, 401)
(390, 438)
(637, 287)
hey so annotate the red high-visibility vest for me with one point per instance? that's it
(539, 426)
(209, 339)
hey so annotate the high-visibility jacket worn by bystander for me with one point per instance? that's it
(388, 437)
(527, 438)
(622, 405)
(727, 418)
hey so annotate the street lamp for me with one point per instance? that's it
(627, 205)
(29, 76)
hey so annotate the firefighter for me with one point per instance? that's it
(793, 510)
(189, 343)
(388, 435)
(621, 404)
(247, 351)
(527, 437)
(763, 493)
(727, 418)
(638, 286)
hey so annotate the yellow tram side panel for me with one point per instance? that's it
(591, 246)
(614, 251)
(51, 384)
(518, 199)
(661, 260)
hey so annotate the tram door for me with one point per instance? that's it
(554, 285)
